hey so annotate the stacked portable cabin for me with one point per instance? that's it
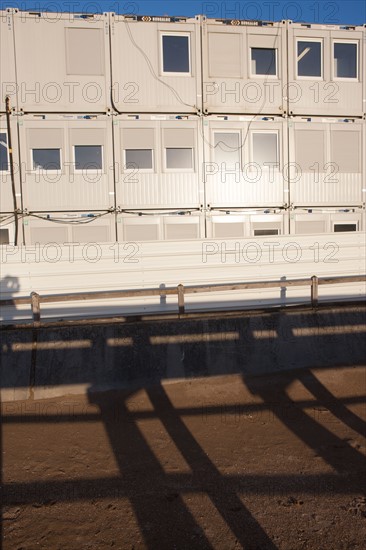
(136, 128)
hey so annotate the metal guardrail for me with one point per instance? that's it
(35, 300)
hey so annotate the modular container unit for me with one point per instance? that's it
(327, 160)
(160, 226)
(236, 224)
(158, 160)
(322, 220)
(156, 64)
(10, 195)
(69, 227)
(62, 62)
(326, 69)
(244, 66)
(7, 61)
(67, 162)
(245, 161)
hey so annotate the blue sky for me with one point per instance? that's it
(312, 11)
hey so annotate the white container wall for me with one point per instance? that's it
(326, 69)
(244, 66)
(62, 62)
(156, 64)
(159, 226)
(158, 161)
(327, 159)
(245, 161)
(8, 85)
(67, 162)
(318, 221)
(68, 227)
(234, 224)
(7, 192)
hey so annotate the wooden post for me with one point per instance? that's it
(314, 291)
(36, 308)
(181, 299)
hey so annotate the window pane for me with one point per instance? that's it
(4, 236)
(227, 148)
(4, 163)
(309, 59)
(175, 54)
(264, 61)
(88, 157)
(139, 158)
(264, 148)
(265, 232)
(345, 60)
(179, 158)
(46, 159)
(343, 227)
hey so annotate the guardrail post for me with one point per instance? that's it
(314, 291)
(36, 308)
(181, 299)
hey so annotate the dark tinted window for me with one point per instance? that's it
(175, 54)
(309, 58)
(264, 61)
(88, 157)
(46, 159)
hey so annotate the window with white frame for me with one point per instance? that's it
(265, 149)
(345, 59)
(175, 53)
(263, 61)
(309, 58)
(227, 148)
(4, 152)
(88, 157)
(46, 159)
(179, 158)
(142, 159)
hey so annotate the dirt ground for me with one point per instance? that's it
(274, 462)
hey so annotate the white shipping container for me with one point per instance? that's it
(7, 61)
(67, 162)
(8, 195)
(326, 69)
(244, 66)
(322, 220)
(62, 62)
(47, 229)
(245, 161)
(158, 160)
(182, 225)
(236, 224)
(327, 161)
(156, 64)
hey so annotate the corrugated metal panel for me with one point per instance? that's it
(139, 83)
(336, 90)
(327, 161)
(66, 188)
(7, 64)
(158, 187)
(247, 183)
(160, 226)
(62, 62)
(73, 227)
(150, 265)
(6, 195)
(239, 74)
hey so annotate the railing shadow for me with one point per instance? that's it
(158, 497)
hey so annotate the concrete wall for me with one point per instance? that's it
(71, 358)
